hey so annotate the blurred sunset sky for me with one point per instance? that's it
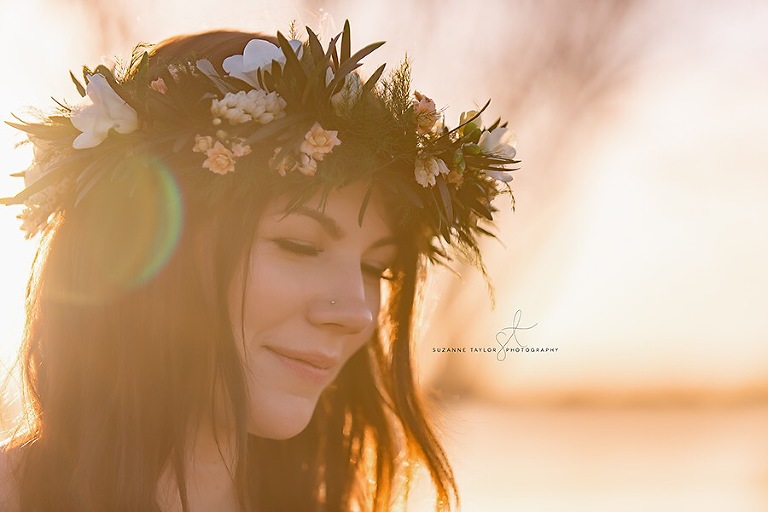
(637, 249)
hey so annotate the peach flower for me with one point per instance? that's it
(220, 160)
(318, 142)
(159, 86)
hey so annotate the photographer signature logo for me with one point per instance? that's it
(504, 342)
(507, 334)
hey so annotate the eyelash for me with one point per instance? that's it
(303, 249)
(297, 247)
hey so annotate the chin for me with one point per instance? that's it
(284, 419)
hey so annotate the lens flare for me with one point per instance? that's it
(164, 228)
(133, 218)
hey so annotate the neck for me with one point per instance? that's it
(210, 467)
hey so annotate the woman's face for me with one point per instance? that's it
(309, 301)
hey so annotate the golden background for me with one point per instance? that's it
(638, 247)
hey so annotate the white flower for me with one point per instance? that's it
(104, 110)
(423, 176)
(257, 55)
(427, 169)
(344, 100)
(242, 107)
(500, 141)
(202, 143)
(441, 167)
(236, 116)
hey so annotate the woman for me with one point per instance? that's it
(234, 229)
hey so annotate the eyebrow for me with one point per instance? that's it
(328, 224)
(332, 227)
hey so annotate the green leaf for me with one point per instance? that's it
(479, 208)
(316, 82)
(78, 85)
(352, 63)
(277, 73)
(104, 71)
(51, 177)
(458, 161)
(141, 67)
(332, 54)
(318, 55)
(471, 149)
(292, 65)
(276, 126)
(363, 207)
(346, 42)
(267, 79)
(468, 121)
(473, 136)
(445, 195)
(407, 192)
(371, 82)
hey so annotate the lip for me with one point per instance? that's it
(314, 367)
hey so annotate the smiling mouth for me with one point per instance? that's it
(313, 367)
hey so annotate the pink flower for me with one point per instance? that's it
(425, 111)
(318, 142)
(202, 143)
(239, 149)
(159, 86)
(220, 160)
(307, 165)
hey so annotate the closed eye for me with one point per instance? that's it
(296, 247)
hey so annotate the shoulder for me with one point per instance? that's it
(9, 496)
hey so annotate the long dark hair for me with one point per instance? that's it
(124, 351)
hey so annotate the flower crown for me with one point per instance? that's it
(294, 113)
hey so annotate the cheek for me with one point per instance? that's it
(266, 294)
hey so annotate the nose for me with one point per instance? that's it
(344, 304)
